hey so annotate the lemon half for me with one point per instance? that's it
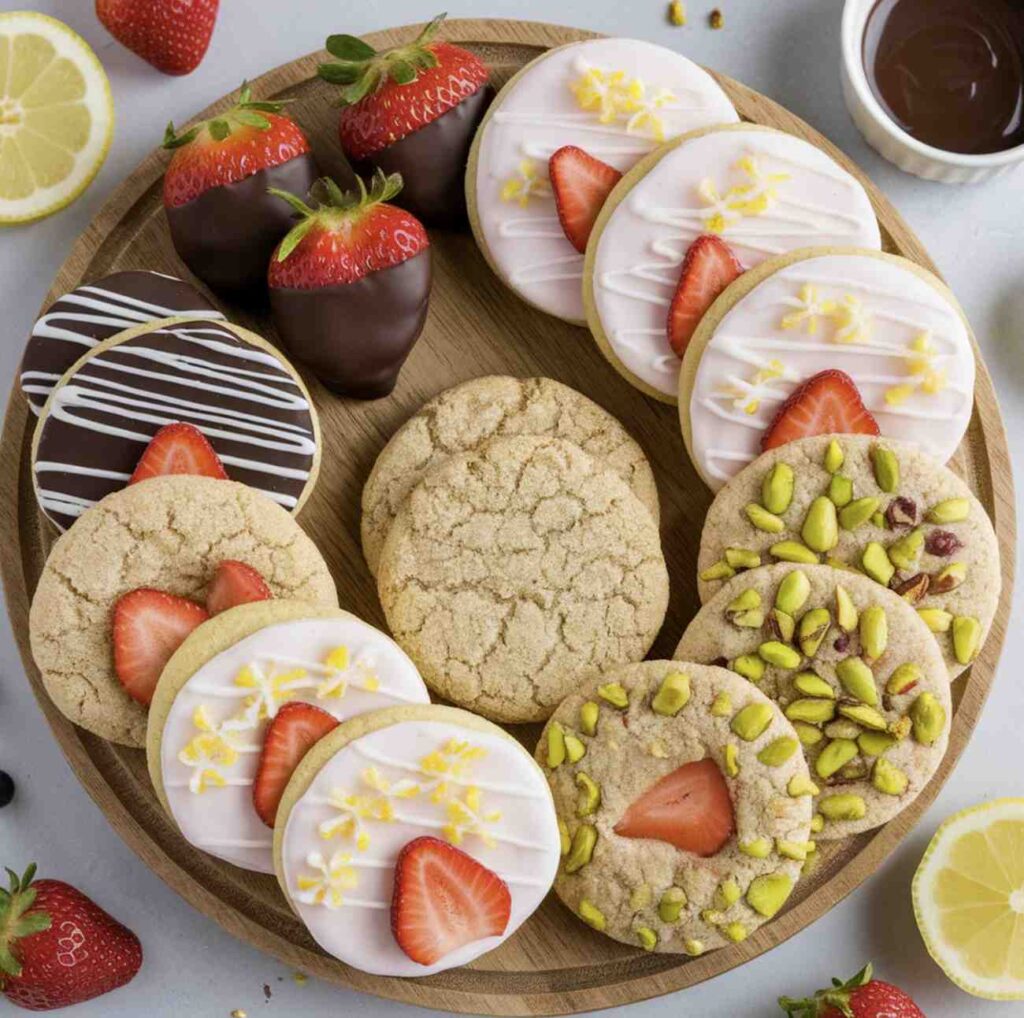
(969, 899)
(56, 116)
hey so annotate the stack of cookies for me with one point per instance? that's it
(513, 528)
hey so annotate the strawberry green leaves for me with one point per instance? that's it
(247, 113)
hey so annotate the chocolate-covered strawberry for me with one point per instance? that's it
(223, 222)
(349, 285)
(412, 110)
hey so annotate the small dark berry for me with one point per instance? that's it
(842, 644)
(942, 543)
(6, 788)
(901, 512)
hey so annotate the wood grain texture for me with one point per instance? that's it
(554, 964)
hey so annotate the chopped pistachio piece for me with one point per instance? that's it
(732, 759)
(742, 558)
(793, 551)
(574, 748)
(841, 728)
(817, 823)
(589, 797)
(721, 570)
(875, 743)
(840, 491)
(694, 948)
(801, 784)
(768, 893)
(928, 718)
(721, 706)
(793, 592)
(856, 513)
(736, 931)
(673, 694)
(672, 903)
(844, 806)
(582, 848)
(811, 711)
(966, 638)
(779, 654)
(564, 840)
(797, 850)
(876, 563)
(776, 753)
(647, 937)
(589, 714)
(874, 632)
(938, 620)
(863, 715)
(813, 685)
(556, 745)
(949, 578)
(858, 680)
(763, 520)
(640, 897)
(820, 531)
(887, 468)
(904, 678)
(727, 894)
(782, 625)
(952, 510)
(888, 778)
(750, 666)
(759, 848)
(614, 694)
(752, 721)
(807, 733)
(905, 553)
(777, 488)
(846, 613)
(814, 627)
(835, 755)
(591, 915)
(834, 457)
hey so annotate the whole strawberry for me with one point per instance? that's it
(859, 997)
(57, 947)
(172, 35)
(349, 286)
(412, 110)
(223, 222)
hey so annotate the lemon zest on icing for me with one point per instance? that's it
(754, 197)
(327, 886)
(922, 374)
(613, 96)
(525, 184)
(809, 308)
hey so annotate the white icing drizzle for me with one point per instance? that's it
(99, 307)
(236, 843)
(538, 272)
(89, 395)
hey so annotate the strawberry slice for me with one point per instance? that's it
(828, 403)
(149, 626)
(295, 729)
(580, 184)
(689, 808)
(709, 267)
(178, 448)
(233, 584)
(444, 899)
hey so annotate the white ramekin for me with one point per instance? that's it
(893, 142)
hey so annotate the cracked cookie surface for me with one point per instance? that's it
(853, 667)
(462, 418)
(936, 534)
(512, 571)
(168, 533)
(602, 751)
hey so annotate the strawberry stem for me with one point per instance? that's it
(334, 204)
(246, 112)
(360, 69)
(17, 920)
(838, 997)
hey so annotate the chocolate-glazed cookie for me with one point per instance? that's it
(412, 110)
(223, 222)
(96, 311)
(229, 383)
(432, 162)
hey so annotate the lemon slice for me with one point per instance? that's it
(56, 116)
(969, 899)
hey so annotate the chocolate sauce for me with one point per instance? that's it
(227, 235)
(432, 162)
(950, 72)
(356, 336)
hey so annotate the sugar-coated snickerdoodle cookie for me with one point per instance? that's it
(854, 668)
(168, 533)
(511, 571)
(882, 506)
(224, 688)
(684, 803)
(414, 839)
(462, 418)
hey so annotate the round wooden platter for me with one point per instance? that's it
(554, 964)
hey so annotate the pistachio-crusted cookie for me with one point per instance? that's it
(462, 418)
(882, 507)
(168, 533)
(511, 571)
(684, 804)
(854, 668)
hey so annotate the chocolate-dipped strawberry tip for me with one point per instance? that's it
(223, 222)
(412, 109)
(349, 285)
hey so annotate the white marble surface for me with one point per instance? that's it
(786, 48)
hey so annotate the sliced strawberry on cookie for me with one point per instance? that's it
(349, 285)
(149, 626)
(580, 184)
(689, 808)
(443, 900)
(411, 110)
(295, 729)
(828, 403)
(235, 583)
(178, 448)
(223, 222)
(709, 267)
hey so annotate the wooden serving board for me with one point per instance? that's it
(554, 964)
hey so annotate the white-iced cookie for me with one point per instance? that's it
(617, 99)
(891, 326)
(381, 782)
(218, 693)
(761, 191)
